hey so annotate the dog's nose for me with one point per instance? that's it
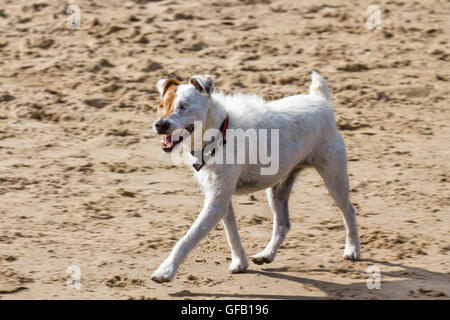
(162, 126)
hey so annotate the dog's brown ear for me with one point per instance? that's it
(164, 84)
(203, 83)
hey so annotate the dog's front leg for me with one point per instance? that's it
(239, 261)
(216, 207)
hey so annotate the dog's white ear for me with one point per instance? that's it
(203, 83)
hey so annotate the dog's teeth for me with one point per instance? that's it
(167, 139)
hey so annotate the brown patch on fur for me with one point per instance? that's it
(169, 95)
(197, 85)
(208, 85)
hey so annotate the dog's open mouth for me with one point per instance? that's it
(169, 143)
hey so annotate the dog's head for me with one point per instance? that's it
(181, 105)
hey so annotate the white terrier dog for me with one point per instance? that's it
(307, 137)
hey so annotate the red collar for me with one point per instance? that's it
(224, 126)
(223, 131)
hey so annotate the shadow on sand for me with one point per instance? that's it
(413, 283)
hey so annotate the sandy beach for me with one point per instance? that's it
(84, 182)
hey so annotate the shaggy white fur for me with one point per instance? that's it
(307, 137)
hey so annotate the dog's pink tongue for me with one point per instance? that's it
(167, 139)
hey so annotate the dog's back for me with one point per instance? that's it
(303, 122)
(289, 114)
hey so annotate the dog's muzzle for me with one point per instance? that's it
(162, 126)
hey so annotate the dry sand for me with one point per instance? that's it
(83, 180)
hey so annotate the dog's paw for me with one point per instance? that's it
(163, 274)
(262, 257)
(352, 252)
(238, 266)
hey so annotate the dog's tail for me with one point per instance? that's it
(319, 86)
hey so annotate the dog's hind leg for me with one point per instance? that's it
(239, 261)
(331, 163)
(278, 197)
